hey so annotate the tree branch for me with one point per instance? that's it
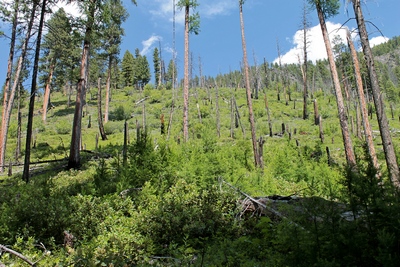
(19, 255)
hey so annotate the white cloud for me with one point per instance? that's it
(316, 48)
(378, 40)
(164, 9)
(147, 44)
(71, 8)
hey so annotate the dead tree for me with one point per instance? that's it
(247, 85)
(99, 112)
(363, 104)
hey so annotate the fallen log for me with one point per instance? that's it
(255, 201)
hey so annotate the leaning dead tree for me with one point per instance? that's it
(10, 91)
(326, 9)
(363, 106)
(388, 148)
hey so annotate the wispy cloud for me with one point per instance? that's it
(148, 44)
(215, 8)
(316, 48)
(207, 8)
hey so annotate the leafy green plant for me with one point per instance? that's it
(119, 114)
(113, 127)
(63, 127)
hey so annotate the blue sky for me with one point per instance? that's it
(219, 41)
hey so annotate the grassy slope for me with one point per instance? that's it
(53, 137)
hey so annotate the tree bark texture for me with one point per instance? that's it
(232, 132)
(217, 111)
(46, 96)
(316, 114)
(348, 147)
(363, 104)
(25, 174)
(388, 148)
(74, 155)
(108, 89)
(8, 96)
(248, 89)
(186, 79)
(305, 89)
(268, 115)
(99, 113)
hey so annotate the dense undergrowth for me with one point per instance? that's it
(169, 205)
(177, 212)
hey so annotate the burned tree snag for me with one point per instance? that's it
(162, 124)
(316, 115)
(321, 131)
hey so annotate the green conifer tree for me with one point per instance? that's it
(127, 66)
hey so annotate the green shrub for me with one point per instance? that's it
(113, 127)
(185, 216)
(148, 88)
(119, 114)
(63, 127)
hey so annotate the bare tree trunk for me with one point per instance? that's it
(281, 75)
(19, 127)
(238, 118)
(186, 80)
(358, 120)
(125, 149)
(170, 120)
(144, 116)
(10, 62)
(363, 104)
(388, 148)
(108, 89)
(348, 146)
(46, 96)
(321, 131)
(232, 133)
(217, 111)
(268, 115)
(161, 65)
(162, 127)
(248, 89)
(316, 115)
(99, 113)
(69, 95)
(305, 89)
(261, 142)
(201, 73)
(25, 174)
(74, 155)
(256, 77)
(6, 98)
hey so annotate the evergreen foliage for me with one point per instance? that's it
(61, 47)
(157, 66)
(141, 70)
(127, 66)
(171, 72)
